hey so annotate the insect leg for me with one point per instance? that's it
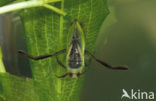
(62, 76)
(60, 63)
(104, 63)
(43, 56)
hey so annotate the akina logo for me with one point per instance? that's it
(137, 94)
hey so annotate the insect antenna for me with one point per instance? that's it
(106, 64)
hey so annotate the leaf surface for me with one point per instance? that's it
(4, 2)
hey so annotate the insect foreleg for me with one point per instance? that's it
(62, 76)
(43, 56)
(104, 63)
(60, 63)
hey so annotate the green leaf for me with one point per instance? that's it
(4, 2)
(2, 68)
(46, 33)
(13, 88)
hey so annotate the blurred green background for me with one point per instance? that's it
(128, 37)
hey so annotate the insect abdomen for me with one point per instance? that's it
(74, 57)
(74, 64)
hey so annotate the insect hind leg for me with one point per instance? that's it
(104, 63)
(42, 56)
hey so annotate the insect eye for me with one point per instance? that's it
(70, 74)
(78, 74)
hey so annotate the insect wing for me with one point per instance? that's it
(76, 34)
(81, 36)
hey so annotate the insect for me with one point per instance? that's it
(75, 58)
(30, 4)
